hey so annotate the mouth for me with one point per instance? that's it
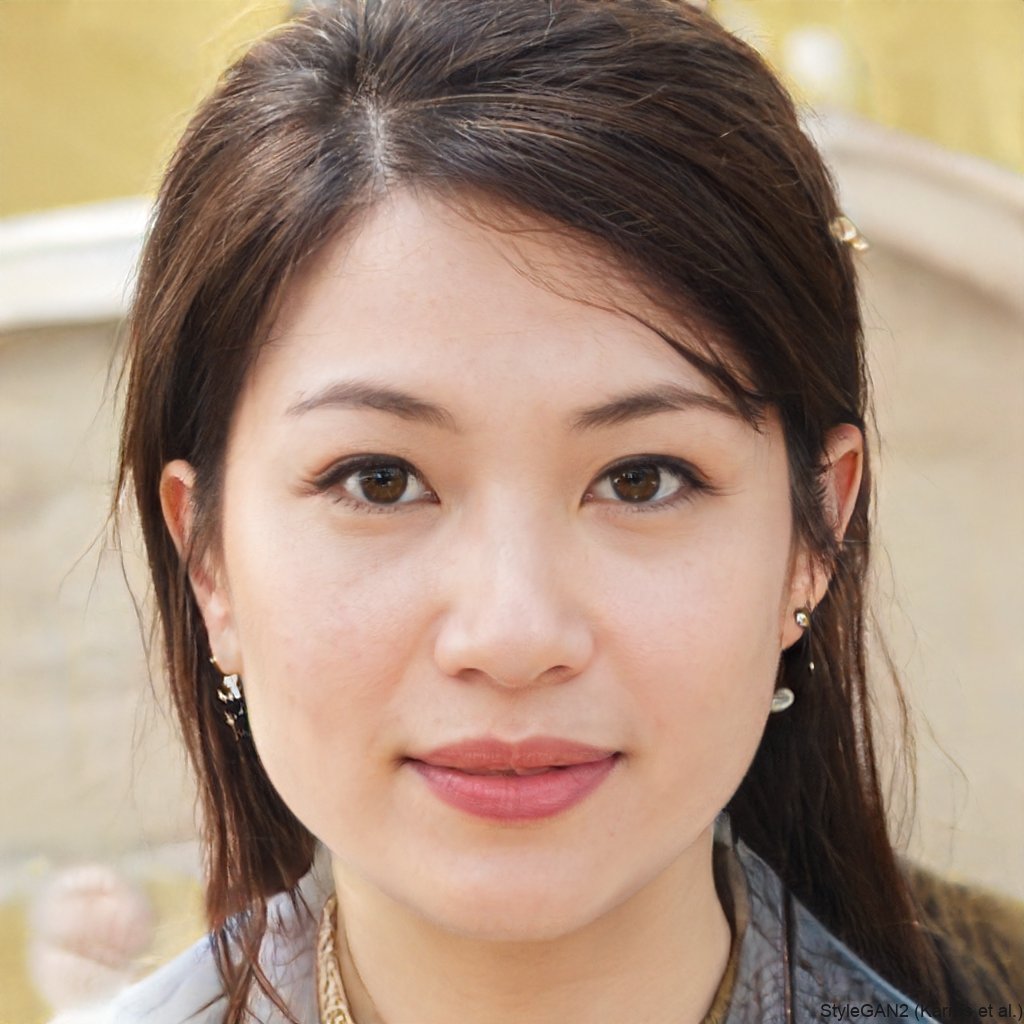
(514, 782)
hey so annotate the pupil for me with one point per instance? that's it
(639, 483)
(384, 484)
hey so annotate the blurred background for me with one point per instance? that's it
(919, 108)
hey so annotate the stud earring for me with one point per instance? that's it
(229, 693)
(782, 698)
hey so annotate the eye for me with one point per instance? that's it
(371, 483)
(651, 482)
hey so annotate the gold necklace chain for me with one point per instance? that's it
(330, 991)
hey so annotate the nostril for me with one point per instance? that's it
(482, 642)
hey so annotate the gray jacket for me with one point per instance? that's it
(809, 978)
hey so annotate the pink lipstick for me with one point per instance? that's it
(524, 781)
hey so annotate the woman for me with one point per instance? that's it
(495, 417)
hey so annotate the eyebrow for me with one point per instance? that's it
(649, 402)
(634, 405)
(357, 394)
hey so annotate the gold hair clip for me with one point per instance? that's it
(844, 230)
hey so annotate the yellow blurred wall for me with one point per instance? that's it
(94, 92)
(948, 70)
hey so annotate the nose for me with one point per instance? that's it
(513, 609)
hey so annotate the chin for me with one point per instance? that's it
(531, 908)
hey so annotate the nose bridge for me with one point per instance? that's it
(513, 611)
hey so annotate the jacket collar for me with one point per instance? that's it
(792, 970)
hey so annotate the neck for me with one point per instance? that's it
(656, 958)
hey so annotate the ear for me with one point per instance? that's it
(177, 499)
(840, 479)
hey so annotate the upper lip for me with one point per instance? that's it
(486, 753)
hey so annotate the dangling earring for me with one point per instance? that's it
(803, 620)
(229, 693)
(783, 697)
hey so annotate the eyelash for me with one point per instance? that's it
(692, 482)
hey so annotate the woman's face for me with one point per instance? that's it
(458, 505)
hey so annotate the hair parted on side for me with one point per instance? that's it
(639, 127)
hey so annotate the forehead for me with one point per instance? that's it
(465, 294)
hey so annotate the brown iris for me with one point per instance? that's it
(384, 485)
(637, 483)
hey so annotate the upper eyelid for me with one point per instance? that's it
(664, 461)
(344, 468)
(680, 467)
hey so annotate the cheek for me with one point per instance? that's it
(709, 614)
(701, 652)
(326, 642)
(308, 602)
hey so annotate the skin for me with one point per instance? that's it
(513, 592)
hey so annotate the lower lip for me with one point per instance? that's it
(516, 797)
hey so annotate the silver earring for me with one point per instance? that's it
(803, 620)
(229, 693)
(784, 697)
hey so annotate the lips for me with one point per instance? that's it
(514, 782)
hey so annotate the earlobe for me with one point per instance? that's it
(177, 499)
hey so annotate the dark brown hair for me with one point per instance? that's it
(640, 126)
